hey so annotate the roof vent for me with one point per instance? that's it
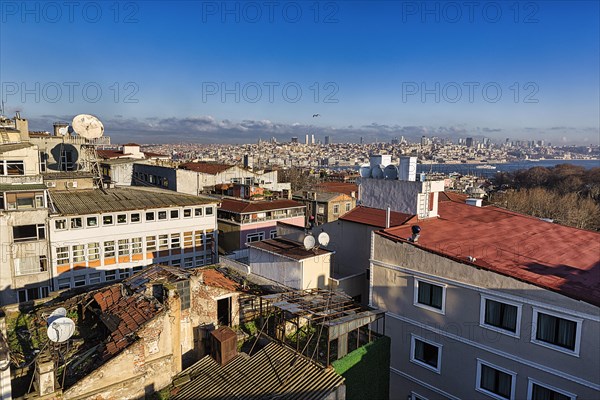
(473, 202)
(416, 230)
(471, 259)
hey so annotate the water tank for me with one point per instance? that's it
(377, 172)
(390, 172)
(365, 171)
(380, 159)
(408, 169)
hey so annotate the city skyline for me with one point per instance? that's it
(231, 72)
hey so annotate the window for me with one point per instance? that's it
(124, 273)
(43, 263)
(109, 249)
(33, 294)
(136, 245)
(150, 243)
(93, 251)
(39, 201)
(336, 208)
(174, 214)
(76, 223)
(348, 206)
(496, 382)
(107, 220)
(540, 391)
(123, 247)
(162, 215)
(121, 218)
(78, 253)
(64, 283)
(501, 316)
(138, 268)
(198, 238)
(25, 233)
(175, 241)
(62, 255)
(320, 209)
(110, 275)
(273, 234)
(150, 216)
(430, 296)
(187, 212)
(426, 354)
(13, 167)
(183, 288)
(556, 331)
(198, 212)
(415, 396)
(135, 217)
(199, 261)
(94, 278)
(60, 224)
(209, 211)
(188, 262)
(79, 280)
(163, 242)
(188, 239)
(255, 237)
(91, 222)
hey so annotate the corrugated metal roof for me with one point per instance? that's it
(21, 187)
(374, 217)
(244, 206)
(91, 201)
(4, 148)
(272, 372)
(288, 248)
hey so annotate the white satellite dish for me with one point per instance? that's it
(58, 313)
(309, 242)
(365, 171)
(88, 126)
(61, 330)
(323, 239)
(390, 172)
(64, 131)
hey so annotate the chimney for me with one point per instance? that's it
(223, 345)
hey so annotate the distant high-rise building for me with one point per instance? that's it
(425, 141)
(469, 142)
(361, 140)
(294, 139)
(327, 140)
(312, 139)
(395, 141)
(306, 139)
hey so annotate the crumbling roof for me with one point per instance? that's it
(91, 201)
(288, 248)
(205, 168)
(272, 372)
(212, 277)
(155, 273)
(551, 256)
(123, 316)
(374, 217)
(241, 206)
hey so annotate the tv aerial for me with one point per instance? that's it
(309, 242)
(90, 128)
(60, 329)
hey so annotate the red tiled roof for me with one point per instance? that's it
(206, 168)
(374, 217)
(551, 256)
(123, 315)
(149, 154)
(108, 154)
(212, 277)
(452, 196)
(338, 187)
(288, 248)
(240, 206)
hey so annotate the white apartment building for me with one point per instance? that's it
(103, 235)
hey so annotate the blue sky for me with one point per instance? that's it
(191, 70)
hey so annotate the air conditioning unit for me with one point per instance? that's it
(50, 184)
(72, 184)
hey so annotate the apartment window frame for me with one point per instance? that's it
(413, 347)
(107, 245)
(150, 243)
(578, 324)
(122, 219)
(10, 166)
(336, 209)
(63, 283)
(108, 220)
(187, 213)
(174, 213)
(531, 382)
(63, 254)
(93, 251)
(78, 253)
(251, 236)
(39, 229)
(94, 278)
(92, 225)
(417, 282)
(79, 280)
(110, 275)
(208, 211)
(60, 224)
(123, 246)
(273, 234)
(484, 324)
(136, 245)
(124, 273)
(76, 223)
(163, 242)
(348, 206)
(175, 240)
(135, 218)
(198, 212)
(162, 215)
(513, 382)
(152, 218)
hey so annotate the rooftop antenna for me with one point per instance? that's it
(90, 128)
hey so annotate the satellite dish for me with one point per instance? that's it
(377, 172)
(54, 315)
(64, 131)
(323, 238)
(88, 126)
(61, 329)
(390, 172)
(365, 171)
(309, 242)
